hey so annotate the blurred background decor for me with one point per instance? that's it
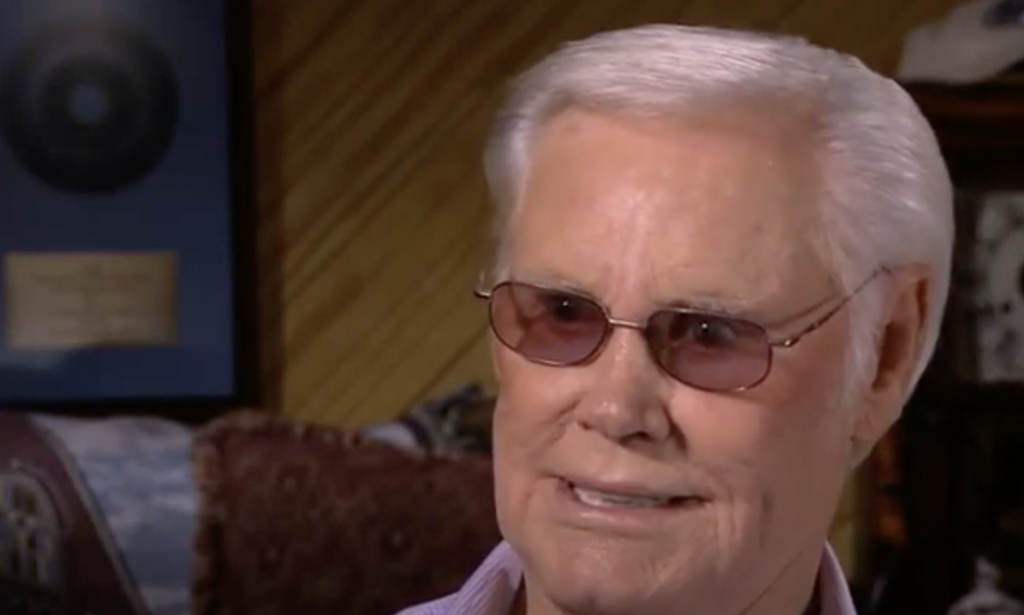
(368, 219)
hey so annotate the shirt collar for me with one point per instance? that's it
(835, 592)
(492, 588)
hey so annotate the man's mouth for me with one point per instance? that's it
(609, 499)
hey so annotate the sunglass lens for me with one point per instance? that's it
(710, 352)
(545, 325)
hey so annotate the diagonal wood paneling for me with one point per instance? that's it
(371, 117)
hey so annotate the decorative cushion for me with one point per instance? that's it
(459, 421)
(313, 520)
(95, 515)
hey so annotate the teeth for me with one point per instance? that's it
(602, 499)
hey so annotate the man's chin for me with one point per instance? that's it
(585, 599)
(613, 597)
(579, 586)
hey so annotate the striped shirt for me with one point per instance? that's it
(492, 588)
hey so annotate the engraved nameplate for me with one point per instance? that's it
(89, 299)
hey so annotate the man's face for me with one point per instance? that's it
(640, 214)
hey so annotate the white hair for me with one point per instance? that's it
(888, 192)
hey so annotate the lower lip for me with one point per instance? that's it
(573, 510)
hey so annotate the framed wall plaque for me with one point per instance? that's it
(126, 224)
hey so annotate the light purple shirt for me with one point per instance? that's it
(492, 588)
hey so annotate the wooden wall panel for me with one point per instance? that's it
(371, 116)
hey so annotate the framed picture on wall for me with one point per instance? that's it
(994, 292)
(127, 223)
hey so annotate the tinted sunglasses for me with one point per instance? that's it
(704, 350)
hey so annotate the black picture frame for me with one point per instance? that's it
(245, 388)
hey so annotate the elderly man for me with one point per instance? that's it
(721, 264)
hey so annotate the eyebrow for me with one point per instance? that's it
(736, 308)
(709, 303)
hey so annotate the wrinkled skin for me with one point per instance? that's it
(640, 213)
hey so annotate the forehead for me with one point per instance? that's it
(720, 204)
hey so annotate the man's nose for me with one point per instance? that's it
(627, 397)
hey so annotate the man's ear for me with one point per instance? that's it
(899, 341)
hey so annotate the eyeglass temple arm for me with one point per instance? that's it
(814, 326)
(827, 316)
